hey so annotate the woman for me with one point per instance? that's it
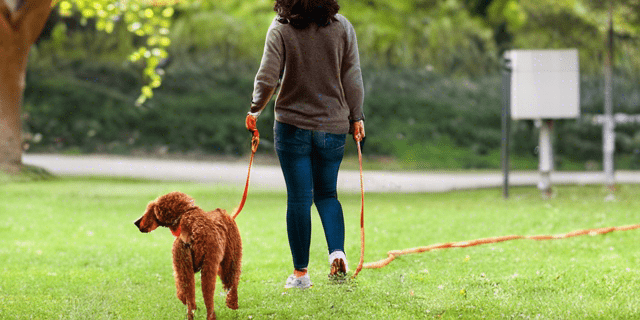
(311, 53)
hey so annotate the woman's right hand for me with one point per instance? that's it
(357, 128)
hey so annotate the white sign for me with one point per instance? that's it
(545, 84)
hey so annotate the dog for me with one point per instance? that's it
(208, 242)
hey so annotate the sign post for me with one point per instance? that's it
(545, 154)
(545, 85)
(506, 124)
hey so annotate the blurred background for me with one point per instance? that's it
(431, 68)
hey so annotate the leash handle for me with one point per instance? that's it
(361, 263)
(255, 141)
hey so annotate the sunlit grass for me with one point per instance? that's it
(69, 249)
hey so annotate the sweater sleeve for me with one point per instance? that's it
(351, 75)
(271, 66)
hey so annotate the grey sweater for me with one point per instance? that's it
(319, 72)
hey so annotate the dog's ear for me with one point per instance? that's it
(154, 209)
(171, 206)
(148, 222)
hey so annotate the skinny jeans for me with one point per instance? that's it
(310, 161)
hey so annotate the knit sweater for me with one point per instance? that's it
(318, 71)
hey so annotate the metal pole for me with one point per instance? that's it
(545, 152)
(608, 133)
(506, 124)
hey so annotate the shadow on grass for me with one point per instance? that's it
(27, 174)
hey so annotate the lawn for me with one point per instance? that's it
(69, 250)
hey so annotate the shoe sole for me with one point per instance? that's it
(338, 270)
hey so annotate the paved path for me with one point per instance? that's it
(270, 177)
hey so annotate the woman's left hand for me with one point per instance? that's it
(251, 123)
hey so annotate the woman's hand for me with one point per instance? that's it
(357, 128)
(250, 123)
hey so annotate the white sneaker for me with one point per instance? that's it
(338, 263)
(303, 282)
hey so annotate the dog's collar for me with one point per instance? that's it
(176, 222)
(176, 232)
(175, 227)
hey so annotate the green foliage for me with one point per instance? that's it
(509, 12)
(221, 34)
(147, 20)
(86, 111)
(89, 110)
(460, 37)
(420, 119)
(430, 71)
(583, 25)
(70, 250)
(420, 116)
(452, 37)
(433, 35)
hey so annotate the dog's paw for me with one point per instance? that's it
(232, 305)
(232, 299)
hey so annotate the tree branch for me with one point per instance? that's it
(5, 20)
(31, 18)
(37, 18)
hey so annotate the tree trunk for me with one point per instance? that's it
(20, 26)
(13, 58)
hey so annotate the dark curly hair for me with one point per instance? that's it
(301, 13)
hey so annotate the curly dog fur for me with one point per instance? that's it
(205, 241)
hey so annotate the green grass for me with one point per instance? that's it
(69, 250)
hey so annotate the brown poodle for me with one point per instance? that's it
(205, 241)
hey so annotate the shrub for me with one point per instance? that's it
(416, 117)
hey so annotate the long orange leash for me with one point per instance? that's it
(255, 141)
(361, 263)
(463, 244)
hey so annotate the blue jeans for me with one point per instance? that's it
(310, 161)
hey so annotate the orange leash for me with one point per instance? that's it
(361, 263)
(255, 141)
(463, 244)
